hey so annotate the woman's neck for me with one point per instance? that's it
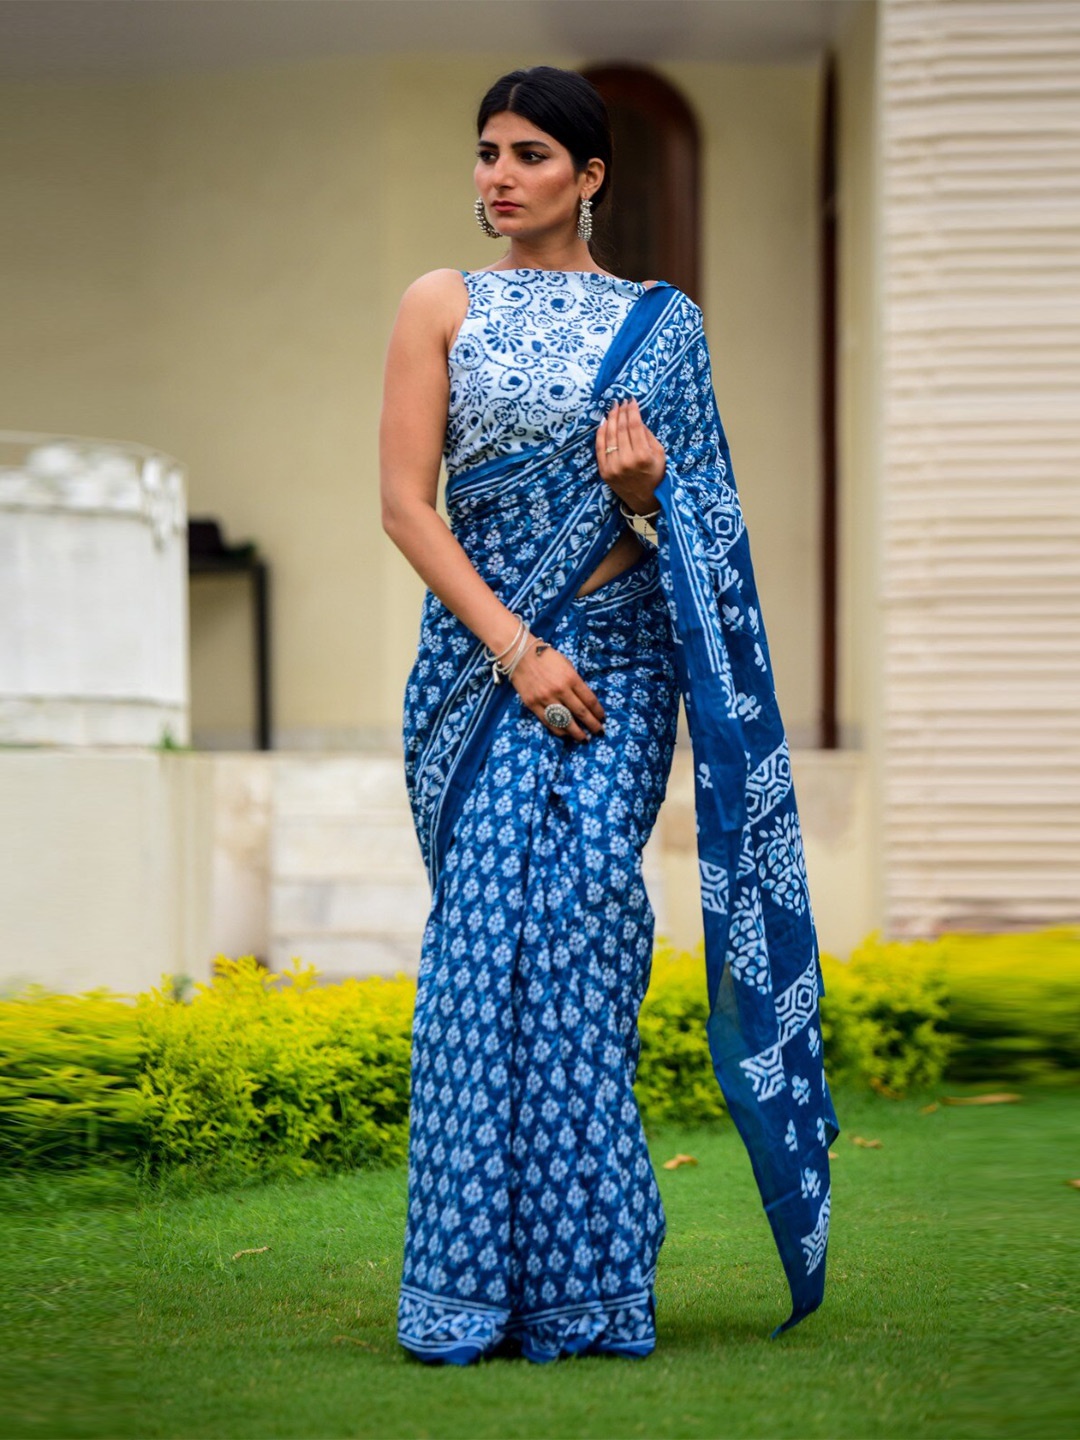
(573, 257)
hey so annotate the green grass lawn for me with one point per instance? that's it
(950, 1309)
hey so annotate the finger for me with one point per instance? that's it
(628, 451)
(578, 698)
(588, 719)
(632, 449)
(571, 702)
(641, 434)
(573, 730)
(636, 416)
(623, 423)
(605, 436)
(603, 459)
(583, 713)
(590, 701)
(612, 437)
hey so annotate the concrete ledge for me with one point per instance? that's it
(105, 868)
(832, 794)
(119, 867)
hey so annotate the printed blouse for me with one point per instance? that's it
(526, 357)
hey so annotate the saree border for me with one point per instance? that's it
(507, 1322)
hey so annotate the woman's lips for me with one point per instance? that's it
(506, 205)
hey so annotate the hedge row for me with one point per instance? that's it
(964, 1007)
(264, 1073)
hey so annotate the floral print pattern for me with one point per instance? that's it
(524, 360)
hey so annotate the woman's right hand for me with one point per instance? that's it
(548, 678)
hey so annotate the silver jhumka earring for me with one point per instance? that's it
(482, 220)
(584, 223)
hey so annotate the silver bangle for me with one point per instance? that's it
(636, 515)
(500, 668)
(490, 655)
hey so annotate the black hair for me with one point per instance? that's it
(565, 105)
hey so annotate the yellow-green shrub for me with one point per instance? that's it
(1014, 1001)
(675, 1080)
(884, 1015)
(969, 1006)
(69, 1067)
(272, 1072)
(258, 1073)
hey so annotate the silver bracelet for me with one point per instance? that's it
(636, 515)
(490, 655)
(500, 668)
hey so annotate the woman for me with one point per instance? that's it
(539, 725)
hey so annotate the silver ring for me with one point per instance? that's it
(557, 716)
(610, 448)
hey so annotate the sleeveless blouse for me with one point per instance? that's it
(526, 357)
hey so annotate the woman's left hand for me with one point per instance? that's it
(637, 466)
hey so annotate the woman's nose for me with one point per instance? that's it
(500, 172)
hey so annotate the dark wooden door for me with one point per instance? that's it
(649, 225)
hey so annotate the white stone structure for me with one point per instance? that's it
(979, 107)
(93, 594)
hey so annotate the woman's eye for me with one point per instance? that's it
(534, 154)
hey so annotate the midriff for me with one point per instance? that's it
(620, 557)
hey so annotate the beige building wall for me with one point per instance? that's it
(263, 274)
(211, 265)
(72, 164)
(761, 299)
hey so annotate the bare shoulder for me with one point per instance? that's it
(434, 303)
(435, 289)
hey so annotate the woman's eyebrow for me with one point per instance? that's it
(516, 145)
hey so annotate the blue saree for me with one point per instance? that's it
(534, 1219)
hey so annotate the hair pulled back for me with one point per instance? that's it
(565, 105)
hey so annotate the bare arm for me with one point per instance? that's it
(412, 431)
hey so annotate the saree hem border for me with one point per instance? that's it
(509, 1324)
(548, 1312)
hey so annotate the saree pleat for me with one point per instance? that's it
(531, 1185)
(534, 1219)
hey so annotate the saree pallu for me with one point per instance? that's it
(533, 1214)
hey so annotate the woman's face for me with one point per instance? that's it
(520, 163)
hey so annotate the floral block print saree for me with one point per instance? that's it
(534, 1219)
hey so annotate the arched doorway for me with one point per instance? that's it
(650, 228)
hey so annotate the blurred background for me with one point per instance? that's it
(210, 212)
